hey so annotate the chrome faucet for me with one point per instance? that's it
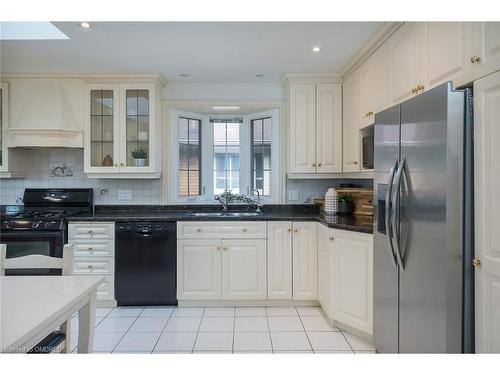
(222, 201)
(258, 200)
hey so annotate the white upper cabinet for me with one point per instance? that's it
(279, 260)
(328, 128)
(315, 132)
(486, 57)
(302, 132)
(374, 75)
(305, 261)
(351, 123)
(244, 273)
(449, 49)
(406, 51)
(122, 136)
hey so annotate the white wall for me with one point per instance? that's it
(223, 91)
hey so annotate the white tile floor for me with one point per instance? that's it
(218, 330)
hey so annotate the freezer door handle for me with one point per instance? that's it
(388, 226)
(395, 212)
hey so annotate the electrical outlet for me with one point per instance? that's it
(293, 195)
(124, 195)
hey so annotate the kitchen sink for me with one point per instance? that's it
(224, 214)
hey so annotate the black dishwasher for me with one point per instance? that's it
(145, 263)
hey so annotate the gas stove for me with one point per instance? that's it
(47, 209)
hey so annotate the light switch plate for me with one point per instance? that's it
(124, 195)
(293, 195)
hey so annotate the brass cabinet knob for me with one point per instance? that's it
(289, 229)
(355, 162)
(91, 248)
(369, 114)
(218, 247)
(295, 230)
(121, 164)
(90, 267)
(331, 238)
(116, 165)
(319, 165)
(475, 59)
(89, 232)
(244, 229)
(414, 90)
(420, 88)
(476, 262)
(198, 230)
(224, 248)
(314, 165)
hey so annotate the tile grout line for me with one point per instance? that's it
(163, 330)
(137, 317)
(348, 343)
(307, 336)
(198, 331)
(269, 330)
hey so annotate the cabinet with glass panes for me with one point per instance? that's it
(122, 139)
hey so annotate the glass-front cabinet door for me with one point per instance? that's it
(121, 134)
(102, 149)
(139, 118)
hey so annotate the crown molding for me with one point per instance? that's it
(382, 34)
(87, 77)
(311, 77)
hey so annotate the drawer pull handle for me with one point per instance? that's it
(198, 230)
(90, 267)
(90, 232)
(224, 248)
(218, 247)
(91, 248)
(244, 229)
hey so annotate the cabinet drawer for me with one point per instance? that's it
(93, 266)
(86, 248)
(106, 290)
(217, 229)
(91, 230)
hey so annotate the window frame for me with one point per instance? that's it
(207, 155)
(200, 158)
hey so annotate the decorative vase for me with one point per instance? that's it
(345, 208)
(140, 162)
(107, 161)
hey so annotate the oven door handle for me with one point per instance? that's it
(28, 233)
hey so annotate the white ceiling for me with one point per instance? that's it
(208, 52)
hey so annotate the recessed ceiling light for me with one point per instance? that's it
(225, 107)
(259, 75)
(85, 25)
(184, 75)
(316, 49)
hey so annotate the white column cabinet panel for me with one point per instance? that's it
(449, 49)
(302, 131)
(352, 281)
(487, 217)
(328, 128)
(351, 123)
(325, 274)
(305, 261)
(279, 260)
(244, 271)
(199, 269)
(487, 48)
(407, 60)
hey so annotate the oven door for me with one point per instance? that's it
(20, 243)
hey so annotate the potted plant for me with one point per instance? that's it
(140, 155)
(345, 204)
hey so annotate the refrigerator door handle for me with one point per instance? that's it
(388, 226)
(395, 211)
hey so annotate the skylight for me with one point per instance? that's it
(30, 31)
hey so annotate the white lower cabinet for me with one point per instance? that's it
(199, 269)
(94, 255)
(305, 261)
(244, 269)
(221, 268)
(279, 260)
(345, 277)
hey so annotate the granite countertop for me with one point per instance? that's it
(269, 213)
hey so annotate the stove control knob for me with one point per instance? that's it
(6, 224)
(36, 224)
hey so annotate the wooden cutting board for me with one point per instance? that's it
(362, 198)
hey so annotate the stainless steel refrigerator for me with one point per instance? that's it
(423, 224)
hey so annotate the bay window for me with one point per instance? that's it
(210, 154)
